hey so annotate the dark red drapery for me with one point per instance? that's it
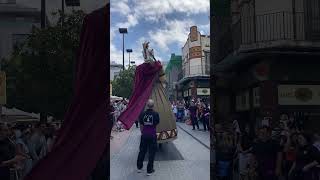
(145, 75)
(86, 129)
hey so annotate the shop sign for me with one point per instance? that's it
(242, 101)
(203, 91)
(299, 94)
(256, 97)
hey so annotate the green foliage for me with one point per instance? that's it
(41, 71)
(122, 85)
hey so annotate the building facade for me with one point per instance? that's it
(195, 76)
(172, 70)
(265, 65)
(16, 24)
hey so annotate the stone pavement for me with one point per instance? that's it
(194, 160)
(118, 140)
(201, 136)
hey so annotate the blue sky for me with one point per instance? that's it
(164, 23)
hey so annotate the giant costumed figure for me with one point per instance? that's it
(148, 83)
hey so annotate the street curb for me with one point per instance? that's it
(194, 137)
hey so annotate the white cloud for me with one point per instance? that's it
(131, 22)
(204, 29)
(120, 6)
(174, 32)
(155, 10)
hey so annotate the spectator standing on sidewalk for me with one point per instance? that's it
(307, 159)
(268, 156)
(37, 144)
(7, 152)
(193, 115)
(225, 149)
(245, 148)
(148, 123)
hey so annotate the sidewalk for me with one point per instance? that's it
(201, 136)
(118, 140)
(194, 165)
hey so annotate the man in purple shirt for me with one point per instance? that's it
(148, 119)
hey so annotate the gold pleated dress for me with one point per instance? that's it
(167, 128)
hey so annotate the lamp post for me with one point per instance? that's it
(123, 31)
(129, 51)
(43, 14)
(62, 11)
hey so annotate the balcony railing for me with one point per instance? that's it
(267, 28)
(196, 70)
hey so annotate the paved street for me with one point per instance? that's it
(186, 158)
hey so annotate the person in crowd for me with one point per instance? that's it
(316, 142)
(49, 138)
(225, 149)
(37, 144)
(180, 112)
(290, 151)
(186, 113)
(200, 113)
(9, 157)
(308, 157)
(267, 156)
(206, 118)
(148, 123)
(174, 109)
(21, 148)
(245, 147)
(193, 115)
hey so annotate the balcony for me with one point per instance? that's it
(280, 29)
(196, 70)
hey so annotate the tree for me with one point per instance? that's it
(122, 85)
(41, 71)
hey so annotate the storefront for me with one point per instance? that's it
(194, 88)
(302, 102)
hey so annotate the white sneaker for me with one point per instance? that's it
(150, 173)
(139, 170)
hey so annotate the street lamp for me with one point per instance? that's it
(129, 51)
(123, 31)
(43, 14)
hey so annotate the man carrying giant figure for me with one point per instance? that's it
(148, 84)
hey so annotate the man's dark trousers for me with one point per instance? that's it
(147, 144)
(194, 122)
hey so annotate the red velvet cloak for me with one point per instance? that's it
(145, 75)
